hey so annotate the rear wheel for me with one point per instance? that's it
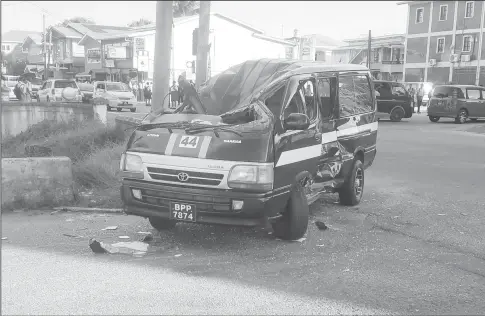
(161, 223)
(293, 223)
(351, 192)
(461, 117)
(434, 119)
(397, 113)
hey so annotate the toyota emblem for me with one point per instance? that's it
(183, 176)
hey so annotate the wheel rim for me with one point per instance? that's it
(359, 182)
(397, 114)
(462, 116)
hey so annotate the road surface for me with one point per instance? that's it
(415, 245)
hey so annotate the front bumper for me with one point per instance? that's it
(128, 104)
(213, 206)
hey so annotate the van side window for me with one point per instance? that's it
(473, 94)
(363, 94)
(346, 96)
(303, 101)
(398, 90)
(324, 94)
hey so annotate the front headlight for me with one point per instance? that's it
(251, 177)
(131, 165)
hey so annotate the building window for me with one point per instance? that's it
(467, 44)
(443, 12)
(469, 9)
(419, 15)
(440, 45)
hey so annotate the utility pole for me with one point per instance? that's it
(369, 50)
(163, 40)
(203, 43)
(50, 53)
(45, 48)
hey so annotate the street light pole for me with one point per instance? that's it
(45, 48)
(163, 39)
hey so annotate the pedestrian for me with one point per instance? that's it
(174, 95)
(148, 94)
(181, 94)
(135, 88)
(25, 91)
(411, 95)
(419, 97)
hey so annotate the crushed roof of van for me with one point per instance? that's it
(236, 86)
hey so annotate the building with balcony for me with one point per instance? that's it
(387, 54)
(444, 42)
(231, 42)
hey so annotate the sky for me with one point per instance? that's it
(336, 19)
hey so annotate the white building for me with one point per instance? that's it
(232, 42)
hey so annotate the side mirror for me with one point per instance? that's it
(296, 121)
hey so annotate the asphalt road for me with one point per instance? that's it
(415, 245)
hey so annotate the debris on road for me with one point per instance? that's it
(135, 248)
(4, 238)
(110, 228)
(144, 233)
(54, 212)
(69, 220)
(320, 245)
(178, 255)
(321, 225)
(73, 236)
(89, 209)
(148, 237)
(124, 237)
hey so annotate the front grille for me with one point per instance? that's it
(204, 203)
(171, 175)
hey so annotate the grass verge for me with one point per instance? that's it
(94, 149)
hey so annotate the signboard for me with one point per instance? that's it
(139, 44)
(117, 52)
(142, 63)
(109, 63)
(77, 50)
(94, 55)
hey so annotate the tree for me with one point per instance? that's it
(185, 8)
(77, 19)
(140, 22)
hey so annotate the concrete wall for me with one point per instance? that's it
(18, 117)
(36, 182)
(417, 28)
(447, 24)
(416, 50)
(433, 45)
(468, 23)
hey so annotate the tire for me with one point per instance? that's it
(133, 110)
(351, 192)
(461, 117)
(161, 223)
(397, 113)
(118, 109)
(294, 221)
(434, 119)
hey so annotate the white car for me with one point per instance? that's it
(117, 95)
(59, 90)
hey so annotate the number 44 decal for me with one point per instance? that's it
(189, 141)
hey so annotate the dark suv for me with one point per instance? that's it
(393, 99)
(460, 102)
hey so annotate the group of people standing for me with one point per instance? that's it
(23, 90)
(142, 91)
(416, 97)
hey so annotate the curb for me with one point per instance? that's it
(88, 209)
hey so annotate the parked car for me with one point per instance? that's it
(10, 82)
(36, 84)
(59, 90)
(116, 94)
(393, 101)
(87, 91)
(460, 102)
(262, 141)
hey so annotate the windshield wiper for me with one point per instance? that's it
(225, 128)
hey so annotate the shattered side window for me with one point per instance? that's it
(275, 101)
(346, 96)
(363, 95)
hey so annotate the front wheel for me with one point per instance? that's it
(434, 119)
(462, 117)
(293, 223)
(161, 223)
(397, 114)
(353, 188)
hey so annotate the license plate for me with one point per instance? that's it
(182, 211)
